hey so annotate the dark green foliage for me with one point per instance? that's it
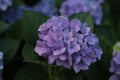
(3, 27)
(58, 3)
(9, 47)
(30, 71)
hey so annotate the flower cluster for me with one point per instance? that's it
(68, 43)
(1, 65)
(46, 7)
(115, 64)
(11, 15)
(4, 4)
(70, 7)
(115, 67)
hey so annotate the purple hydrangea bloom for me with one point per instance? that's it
(68, 43)
(70, 7)
(11, 15)
(115, 66)
(46, 7)
(114, 77)
(1, 65)
(4, 4)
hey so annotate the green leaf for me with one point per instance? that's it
(16, 30)
(29, 55)
(59, 3)
(85, 18)
(30, 23)
(67, 74)
(107, 38)
(116, 47)
(9, 47)
(3, 27)
(17, 2)
(79, 77)
(31, 71)
(118, 29)
(106, 21)
(96, 72)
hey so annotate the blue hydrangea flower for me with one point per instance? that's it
(4, 4)
(68, 43)
(115, 63)
(1, 65)
(115, 67)
(11, 15)
(70, 7)
(114, 77)
(46, 7)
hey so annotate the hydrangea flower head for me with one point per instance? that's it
(46, 7)
(4, 4)
(11, 15)
(70, 7)
(115, 63)
(115, 67)
(68, 43)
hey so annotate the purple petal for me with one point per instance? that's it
(57, 52)
(86, 60)
(63, 63)
(114, 77)
(71, 51)
(80, 38)
(62, 50)
(68, 36)
(76, 67)
(77, 48)
(113, 66)
(83, 66)
(49, 40)
(75, 25)
(63, 57)
(117, 58)
(77, 59)
(51, 59)
(40, 50)
(91, 39)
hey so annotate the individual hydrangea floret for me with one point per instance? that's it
(46, 7)
(71, 7)
(1, 65)
(68, 43)
(11, 15)
(4, 4)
